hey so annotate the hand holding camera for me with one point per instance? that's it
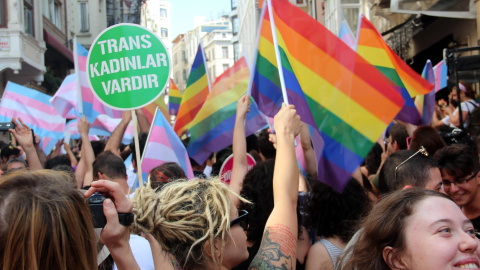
(114, 233)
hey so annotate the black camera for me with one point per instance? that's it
(96, 209)
(5, 126)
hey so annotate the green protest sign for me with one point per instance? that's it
(128, 67)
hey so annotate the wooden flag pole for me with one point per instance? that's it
(137, 148)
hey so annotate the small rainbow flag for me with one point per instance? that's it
(150, 109)
(212, 128)
(426, 103)
(198, 87)
(349, 100)
(163, 145)
(373, 48)
(174, 99)
(440, 71)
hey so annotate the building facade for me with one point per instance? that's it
(184, 49)
(156, 17)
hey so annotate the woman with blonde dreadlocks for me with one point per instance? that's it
(198, 224)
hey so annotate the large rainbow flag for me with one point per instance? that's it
(373, 48)
(174, 98)
(198, 87)
(349, 100)
(212, 128)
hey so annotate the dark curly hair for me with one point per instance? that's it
(258, 188)
(265, 145)
(337, 214)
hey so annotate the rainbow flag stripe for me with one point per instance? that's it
(373, 48)
(150, 109)
(351, 103)
(195, 93)
(265, 88)
(174, 99)
(212, 128)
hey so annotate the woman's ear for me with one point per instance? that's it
(217, 246)
(393, 259)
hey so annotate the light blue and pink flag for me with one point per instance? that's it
(103, 125)
(440, 70)
(426, 103)
(163, 145)
(65, 99)
(34, 108)
(346, 35)
(91, 106)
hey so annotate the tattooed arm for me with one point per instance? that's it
(279, 243)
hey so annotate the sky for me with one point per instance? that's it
(183, 11)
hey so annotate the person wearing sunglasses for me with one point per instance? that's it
(459, 165)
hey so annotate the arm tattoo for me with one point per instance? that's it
(277, 250)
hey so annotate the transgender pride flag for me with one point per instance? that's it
(34, 108)
(163, 145)
(102, 126)
(346, 35)
(440, 70)
(91, 107)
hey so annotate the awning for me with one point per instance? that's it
(52, 41)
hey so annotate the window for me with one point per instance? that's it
(3, 13)
(225, 52)
(175, 58)
(84, 25)
(213, 54)
(184, 75)
(164, 32)
(236, 51)
(351, 12)
(52, 10)
(225, 67)
(224, 35)
(163, 13)
(184, 59)
(234, 4)
(28, 17)
(235, 25)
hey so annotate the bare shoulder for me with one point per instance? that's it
(277, 250)
(318, 258)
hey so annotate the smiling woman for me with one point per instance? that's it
(416, 229)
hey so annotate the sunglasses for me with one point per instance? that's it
(422, 151)
(240, 220)
(447, 183)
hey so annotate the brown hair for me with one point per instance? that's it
(384, 227)
(45, 223)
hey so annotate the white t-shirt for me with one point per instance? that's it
(467, 106)
(141, 251)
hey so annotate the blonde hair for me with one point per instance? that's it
(45, 223)
(184, 216)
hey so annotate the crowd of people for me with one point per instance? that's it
(414, 204)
